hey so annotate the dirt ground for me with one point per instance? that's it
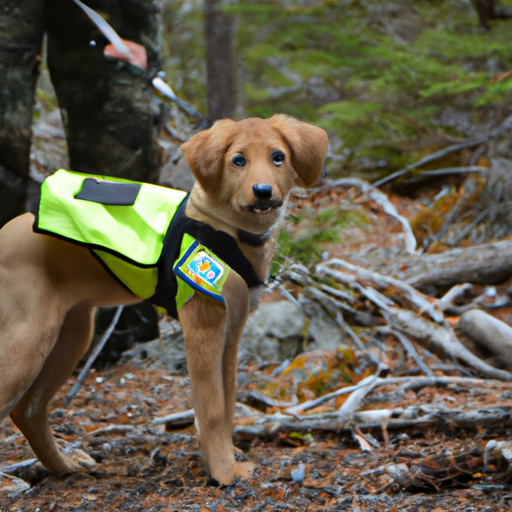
(144, 467)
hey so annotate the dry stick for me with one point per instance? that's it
(454, 170)
(93, 356)
(111, 429)
(346, 411)
(353, 336)
(325, 300)
(382, 200)
(409, 348)
(448, 298)
(366, 384)
(473, 141)
(287, 295)
(416, 298)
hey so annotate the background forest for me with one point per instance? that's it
(388, 80)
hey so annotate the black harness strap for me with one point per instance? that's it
(219, 242)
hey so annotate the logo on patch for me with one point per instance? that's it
(206, 268)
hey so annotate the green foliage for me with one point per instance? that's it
(302, 239)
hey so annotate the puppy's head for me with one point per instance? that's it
(245, 170)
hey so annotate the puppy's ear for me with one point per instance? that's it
(308, 146)
(205, 152)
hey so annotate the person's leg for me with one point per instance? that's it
(21, 35)
(108, 112)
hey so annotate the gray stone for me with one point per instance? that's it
(275, 332)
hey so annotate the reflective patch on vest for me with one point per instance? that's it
(110, 193)
(203, 271)
(205, 268)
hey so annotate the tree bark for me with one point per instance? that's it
(490, 10)
(220, 55)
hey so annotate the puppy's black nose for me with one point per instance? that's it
(262, 191)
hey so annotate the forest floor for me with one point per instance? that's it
(141, 466)
(147, 468)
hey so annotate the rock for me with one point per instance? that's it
(275, 332)
(166, 353)
(298, 475)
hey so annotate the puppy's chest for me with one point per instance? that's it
(255, 297)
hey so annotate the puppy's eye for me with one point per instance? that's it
(238, 161)
(277, 158)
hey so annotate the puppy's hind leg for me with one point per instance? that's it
(30, 413)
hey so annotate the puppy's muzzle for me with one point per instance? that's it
(264, 202)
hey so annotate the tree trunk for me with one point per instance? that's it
(490, 10)
(219, 37)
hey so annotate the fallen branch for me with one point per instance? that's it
(383, 201)
(479, 264)
(413, 297)
(440, 340)
(471, 142)
(368, 418)
(271, 425)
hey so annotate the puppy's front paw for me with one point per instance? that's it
(239, 470)
(243, 469)
(81, 458)
(78, 456)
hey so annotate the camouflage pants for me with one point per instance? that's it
(109, 118)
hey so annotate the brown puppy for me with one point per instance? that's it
(49, 287)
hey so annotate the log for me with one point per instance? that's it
(486, 335)
(481, 264)
(488, 417)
